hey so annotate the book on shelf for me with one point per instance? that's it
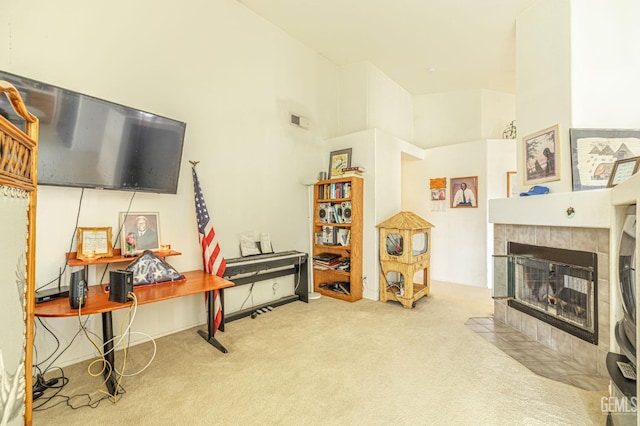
(338, 287)
(326, 257)
(352, 171)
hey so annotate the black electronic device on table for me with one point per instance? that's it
(78, 290)
(60, 292)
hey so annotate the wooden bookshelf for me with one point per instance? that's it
(337, 229)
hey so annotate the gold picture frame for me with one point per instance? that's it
(512, 184)
(623, 170)
(94, 243)
(542, 156)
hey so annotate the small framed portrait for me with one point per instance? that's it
(438, 194)
(139, 231)
(94, 243)
(338, 160)
(541, 156)
(464, 192)
(623, 170)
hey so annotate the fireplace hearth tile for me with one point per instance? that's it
(537, 357)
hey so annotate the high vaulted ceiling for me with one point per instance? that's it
(426, 46)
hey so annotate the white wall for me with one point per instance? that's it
(461, 116)
(228, 73)
(605, 54)
(369, 99)
(543, 79)
(460, 236)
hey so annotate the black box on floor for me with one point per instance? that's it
(120, 284)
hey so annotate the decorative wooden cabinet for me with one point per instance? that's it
(337, 248)
(405, 248)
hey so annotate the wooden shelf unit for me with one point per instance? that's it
(332, 198)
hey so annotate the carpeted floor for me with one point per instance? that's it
(332, 363)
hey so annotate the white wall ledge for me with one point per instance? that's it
(592, 209)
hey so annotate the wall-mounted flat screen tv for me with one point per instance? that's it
(93, 143)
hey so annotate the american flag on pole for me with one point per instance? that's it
(212, 260)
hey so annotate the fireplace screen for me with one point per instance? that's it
(563, 291)
(556, 286)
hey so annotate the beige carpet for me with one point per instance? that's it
(334, 363)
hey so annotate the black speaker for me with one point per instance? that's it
(78, 289)
(120, 285)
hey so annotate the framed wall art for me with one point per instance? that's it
(339, 160)
(595, 151)
(623, 170)
(464, 192)
(140, 231)
(94, 243)
(541, 156)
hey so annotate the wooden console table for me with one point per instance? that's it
(98, 303)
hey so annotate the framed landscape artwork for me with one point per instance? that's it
(541, 156)
(595, 151)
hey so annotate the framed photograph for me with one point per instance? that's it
(438, 194)
(512, 184)
(595, 151)
(541, 156)
(94, 243)
(139, 231)
(339, 160)
(623, 170)
(464, 192)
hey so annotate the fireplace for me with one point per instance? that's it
(556, 286)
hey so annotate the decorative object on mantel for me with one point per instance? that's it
(623, 170)
(510, 131)
(438, 188)
(595, 151)
(571, 212)
(405, 249)
(541, 156)
(512, 184)
(535, 190)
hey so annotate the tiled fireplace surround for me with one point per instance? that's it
(596, 240)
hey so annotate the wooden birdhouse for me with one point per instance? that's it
(405, 249)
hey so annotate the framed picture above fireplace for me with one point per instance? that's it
(594, 153)
(541, 156)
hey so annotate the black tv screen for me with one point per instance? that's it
(93, 143)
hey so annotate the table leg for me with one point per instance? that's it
(209, 336)
(107, 349)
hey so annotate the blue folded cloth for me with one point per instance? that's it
(536, 190)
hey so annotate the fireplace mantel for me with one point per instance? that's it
(592, 209)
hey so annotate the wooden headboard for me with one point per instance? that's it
(18, 190)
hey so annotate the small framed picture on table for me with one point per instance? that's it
(94, 243)
(139, 231)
